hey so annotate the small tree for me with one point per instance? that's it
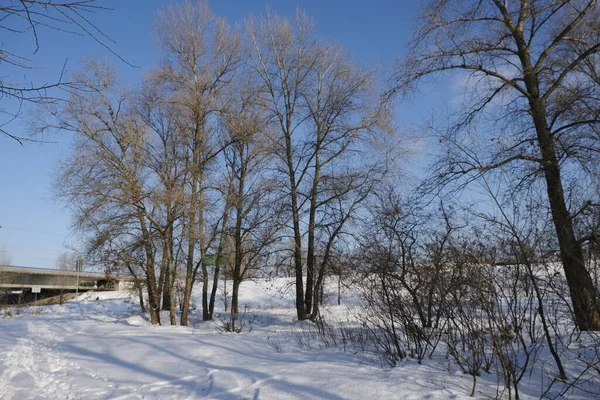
(68, 261)
(5, 258)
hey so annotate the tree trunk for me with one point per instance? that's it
(151, 282)
(225, 302)
(189, 273)
(300, 308)
(164, 278)
(339, 287)
(187, 295)
(322, 293)
(140, 295)
(205, 311)
(238, 244)
(171, 301)
(235, 298)
(311, 256)
(218, 260)
(581, 288)
(318, 293)
(153, 296)
(191, 233)
(203, 251)
(169, 278)
(310, 253)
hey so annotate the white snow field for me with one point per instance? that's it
(105, 349)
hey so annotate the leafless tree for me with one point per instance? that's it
(166, 160)
(201, 54)
(68, 261)
(120, 254)
(254, 211)
(5, 258)
(105, 180)
(33, 18)
(327, 115)
(282, 54)
(532, 95)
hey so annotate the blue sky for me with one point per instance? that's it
(35, 228)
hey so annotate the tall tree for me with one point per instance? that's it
(329, 115)
(201, 53)
(166, 160)
(254, 212)
(282, 54)
(532, 79)
(348, 120)
(105, 179)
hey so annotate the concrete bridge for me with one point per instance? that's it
(37, 279)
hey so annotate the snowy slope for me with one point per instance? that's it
(103, 349)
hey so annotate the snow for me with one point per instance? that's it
(106, 349)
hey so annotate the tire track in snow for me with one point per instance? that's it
(184, 388)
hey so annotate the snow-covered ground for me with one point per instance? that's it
(105, 349)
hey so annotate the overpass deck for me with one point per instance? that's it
(28, 278)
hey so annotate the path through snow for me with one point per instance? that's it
(101, 350)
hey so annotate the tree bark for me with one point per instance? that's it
(191, 234)
(239, 215)
(310, 253)
(235, 300)
(219, 259)
(581, 287)
(300, 307)
(153, 290)
(203, 251)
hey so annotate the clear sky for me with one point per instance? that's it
(35, 228)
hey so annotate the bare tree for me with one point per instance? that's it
(71, 262)
(282, 54)
(68, 261)
(327, 114)
(349, 121)
(254, 211)
(532, 69)
(166, 159)
(105, 180)
(5, 258)
(33, 18)
(201, 54)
